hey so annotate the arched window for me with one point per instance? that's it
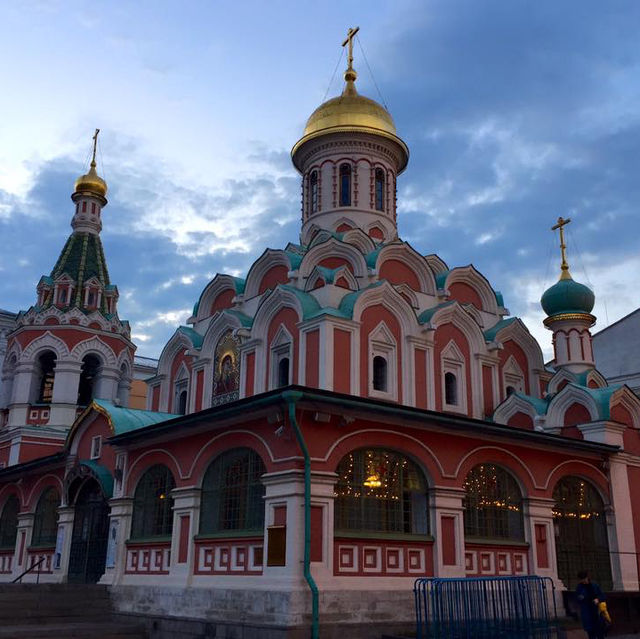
(581, 532)
(345, 185)
(232, 493)
(182, 402)
(88, 379)
(450, 389)
(380, 381)
(152, 504)
(45, 522)
(46, 365)
(492, 504)
(9, 522)
(510, 390)
(380, 491)
(313, 191)
(379, 189)
(283, 372)
(62, 296)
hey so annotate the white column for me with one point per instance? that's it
(186, 520)
(285, 489)
(107, 383)
(21, 394)
(624, 564)
(23, 541)
(66, 516)
(65, 392)
(119, 532)
(448, 531)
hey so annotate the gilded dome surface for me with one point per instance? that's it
(91, 183)
(350, 110)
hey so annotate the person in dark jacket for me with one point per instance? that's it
(589, 597)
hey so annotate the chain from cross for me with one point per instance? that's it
(349, 41)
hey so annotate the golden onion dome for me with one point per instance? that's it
(350, 110)
(351, 113)
(91, 183)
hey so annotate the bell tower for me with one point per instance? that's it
(349, 157)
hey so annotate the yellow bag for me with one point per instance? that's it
(604, 613)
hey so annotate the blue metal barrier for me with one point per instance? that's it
(485, 608)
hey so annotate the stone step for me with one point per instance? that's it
(74, 630)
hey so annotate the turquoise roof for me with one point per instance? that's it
(372, 258)
(245, 320)
(45, 279)
(567, 296)
(539, 405)
(491, 333)
(441, 278)
(194, 337)
(294, 259)
(425, 316)
(125, 420)
(499, 298)
(310, 306)
(348, 302)
(103, 475)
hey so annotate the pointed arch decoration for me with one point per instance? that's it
(478, 282)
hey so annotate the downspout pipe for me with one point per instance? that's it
(291, 397)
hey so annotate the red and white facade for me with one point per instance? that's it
(374, 359)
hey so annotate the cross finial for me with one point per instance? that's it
(564, 266)
(95, 144)
(350, 74)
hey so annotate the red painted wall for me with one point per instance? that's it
(341, 361)
(465, 294)
(397, 272)
(250, 374)
(155, 399)
(443, 335)
(312, 359)
(369, 320)
(288, 318)
(513, 349)
(274, 276)
(421, 377)
(487, 391)
(222, 301)
(448, 527)
(335, 262)
(521, 420)
(575, 414)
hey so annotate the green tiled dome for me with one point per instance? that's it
(567, 296)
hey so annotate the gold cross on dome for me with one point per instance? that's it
(349, 41)
(95, 144)
(564, 267)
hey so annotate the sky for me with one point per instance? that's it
(515, 113)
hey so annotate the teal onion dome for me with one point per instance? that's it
(567, 296)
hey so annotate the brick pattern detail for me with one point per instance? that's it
(38, 415)
(148, 559)
(6, 561)
(389, 559)
(35, 555)
(495, 560)
(229, 556)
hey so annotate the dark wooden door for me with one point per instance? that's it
(89, 537)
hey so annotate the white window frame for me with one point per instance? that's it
(180, 384)
(281, 347)
(382, 343)
(452, 361)
(96, 447)
(512, 375)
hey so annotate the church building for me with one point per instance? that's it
(346, 417)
